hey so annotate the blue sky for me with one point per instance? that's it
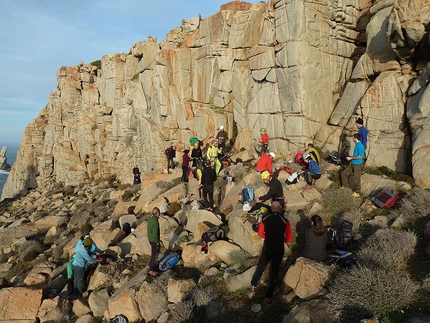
(38, 37)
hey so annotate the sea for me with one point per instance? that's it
(12, 150)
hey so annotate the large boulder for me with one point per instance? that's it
(20, 304)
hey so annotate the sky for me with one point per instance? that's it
(37, 37)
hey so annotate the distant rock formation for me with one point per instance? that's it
(303, 70)
(4, 165)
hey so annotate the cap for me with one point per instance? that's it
(272, 154)
(359, 121)
(265, 175)
(221, 127)
(87, 242)
(263, 130)
(85, 234)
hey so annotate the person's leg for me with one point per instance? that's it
(211, 195)
(206, 195)
(274, 271)
(78, 280)
(357, 177)
(315, 177)
(261, 266)
(344, 176)
(308, 177)
(185, 174)
(217, 166)
(155, 248)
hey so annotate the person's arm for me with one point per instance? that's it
(288, 233)
(269, 195)
(261, 232)
(87, 256)
(269, 166)
(94, 248)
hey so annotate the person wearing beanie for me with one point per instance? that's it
(263, 141)
(94, 250)
(80, 259)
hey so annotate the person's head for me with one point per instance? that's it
(194, 134)
(356, 137)
(263, 130)
(266, 177)
(310, 145)
(134, 165)
(214, 142)
(207, 163)
(221, 128)
(272, 155)
(276, 207)
(156, 211)
(359, 123)
(84, 235)
(186, 151)
(318, 225)
(197, 145)
(306, 157)
(87, 242)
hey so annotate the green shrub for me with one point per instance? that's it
(29, 250)
(126, 196)
(388, 249)
(338, 200)
(362, 291)
(97, 63)
(202, 296)
(238, 256)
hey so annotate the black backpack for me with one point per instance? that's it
(343, 234)
(343, 258)
(213, 234)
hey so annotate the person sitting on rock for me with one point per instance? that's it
(316, 240)
(276, 192)
(265, 162)
(313, 172)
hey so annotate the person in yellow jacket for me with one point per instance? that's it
(212, 155)
(315, 155)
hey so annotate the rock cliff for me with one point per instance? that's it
(304, 70)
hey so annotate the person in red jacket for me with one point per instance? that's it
(263, 141)
(265, 162)
(275, 230)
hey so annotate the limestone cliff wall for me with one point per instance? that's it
(304, 70)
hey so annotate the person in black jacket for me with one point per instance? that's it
(208, 179)
(276, 192)
(275, 230)
(316, 240)
(136, 175)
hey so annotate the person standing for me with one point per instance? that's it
(276, 192)
(80, 259)
(212, 154)
(208, 179)
(136, 175)
(197, 155)
(362, 131)
(263, 141)
(316, 240)
(170, 155)
(265, 162)
(355, 166)
(154, 239)
(222, 137)
(313, 172)
(185, 165)
(193, 140)
(275, 230)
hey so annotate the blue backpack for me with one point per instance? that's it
(247, 194)
(169, 261)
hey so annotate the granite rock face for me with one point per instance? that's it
(303, 70)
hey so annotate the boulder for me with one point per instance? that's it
(124, 303)
(193, 257)
(240, 281)
(222, 250)
(179, 289)
(98, 302)
(53, 310)
(151, 300)
(20, 304)
(309, 311)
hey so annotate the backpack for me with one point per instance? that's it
(386, 199)
(213, 234)
(343, 258)
(299, 160)
(169, 261)
(293, 178)
(119, 319)
(247, 195)
(343, 234)
(255, 216)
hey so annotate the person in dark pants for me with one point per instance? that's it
(81, 258)
(364, 133)
(355, 166)
(275, 230)
(316, 240)
(276, 192)
(170, 155)
(185, 165)
(207, 182)
(136, 175)
(154, 239)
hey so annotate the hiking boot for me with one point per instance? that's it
(253, 289)
(355, 194)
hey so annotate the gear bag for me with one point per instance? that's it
(168, 262)
(213, 234)
(343, 234)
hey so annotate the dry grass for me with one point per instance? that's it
(338, 201)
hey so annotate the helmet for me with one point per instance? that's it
(87, 242)
(263, 130)
(272, 154)
(221, 127)
(265, 175)
(306, 156)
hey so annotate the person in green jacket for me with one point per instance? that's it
(154, 239)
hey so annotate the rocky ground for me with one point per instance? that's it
(40, 230)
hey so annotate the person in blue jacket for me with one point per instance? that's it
(94, 250)
(313, 172)
(362, 131)
(81, 258)
(355, 167)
